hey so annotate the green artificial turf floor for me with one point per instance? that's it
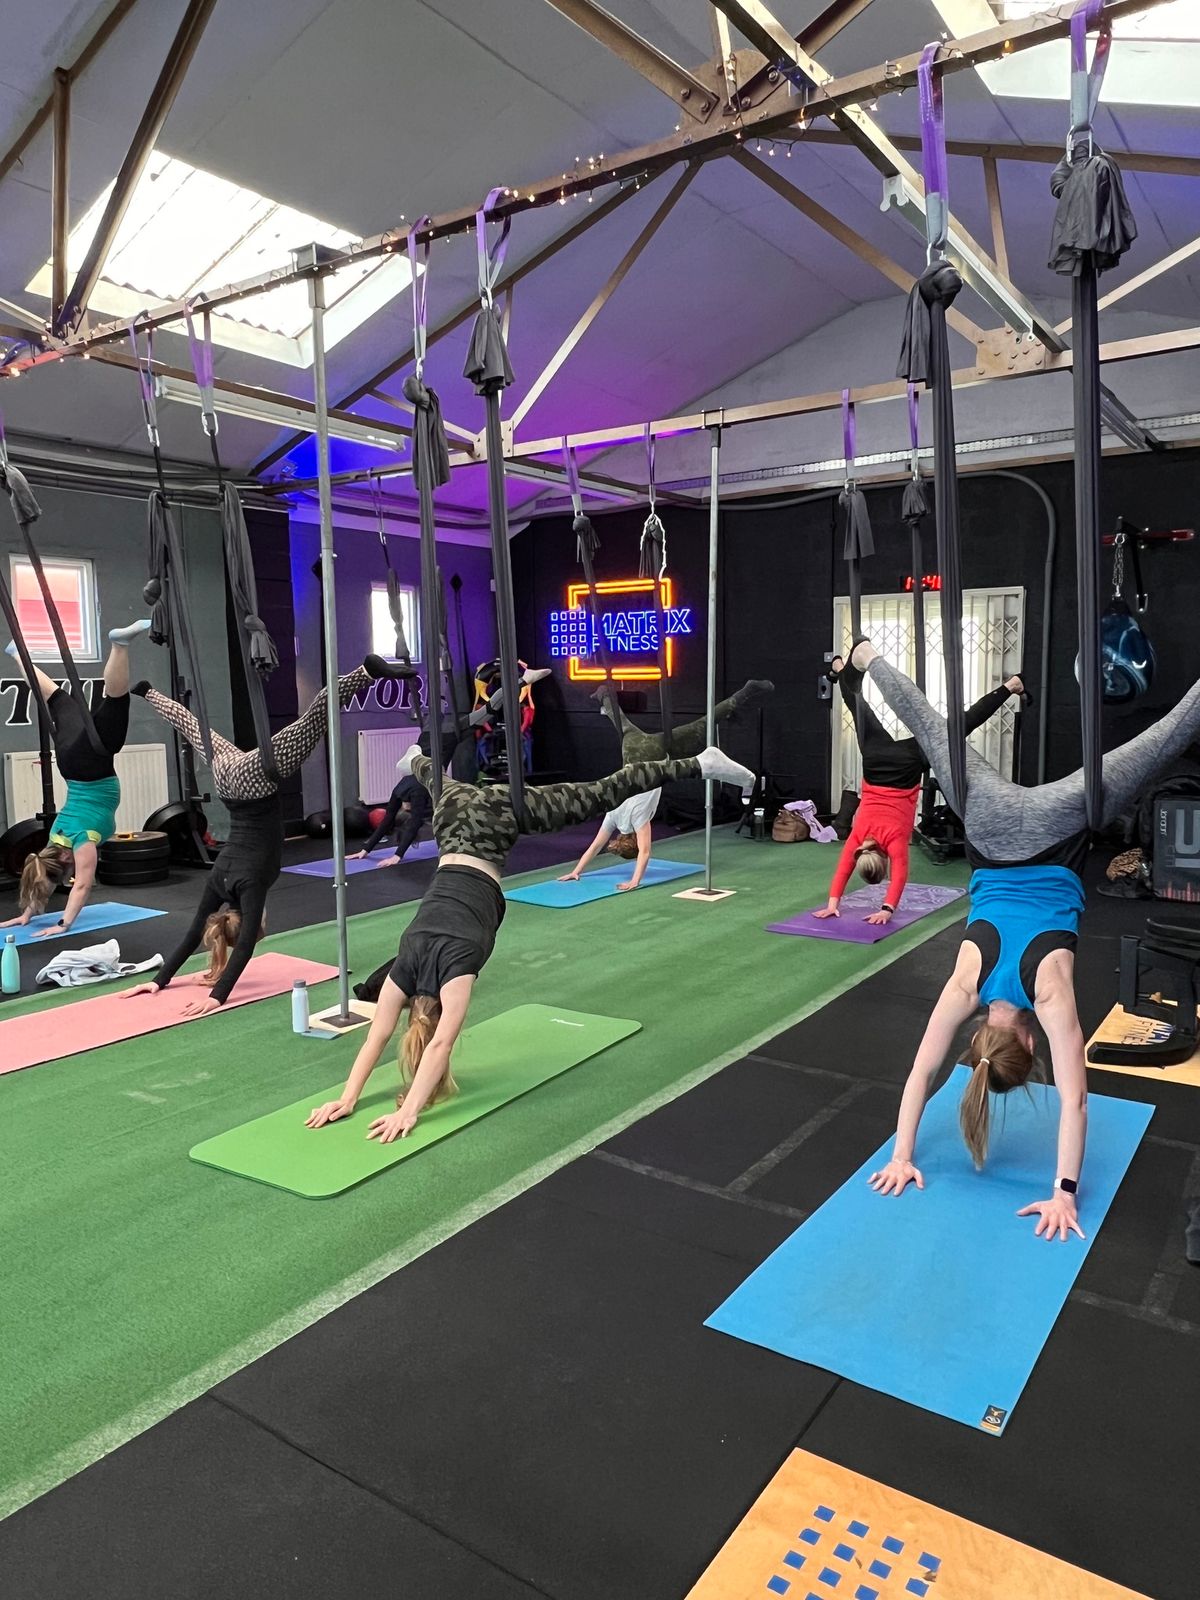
(134, 1279)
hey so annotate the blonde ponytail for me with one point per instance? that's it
(221, 933)
(40, 876)
(424, 1014)
(1000, 1060)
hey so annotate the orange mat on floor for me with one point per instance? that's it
(821, 1532)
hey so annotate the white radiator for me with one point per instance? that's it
(142, 769)
(379, 749)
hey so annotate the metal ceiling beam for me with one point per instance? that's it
(1155, 270)
(80, 64)
(903, 184)
(1042, 155)
(162, 98)
(464, 313)
(780, 112)
(991, 184)
(680, 86)
(544, 378)
(825, 28)
(844, 234)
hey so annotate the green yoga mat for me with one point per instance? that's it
(494, 1062)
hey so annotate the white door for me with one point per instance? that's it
(993, 641)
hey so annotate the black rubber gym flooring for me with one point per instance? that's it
(534, 1408)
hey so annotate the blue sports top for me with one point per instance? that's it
(1018, 915)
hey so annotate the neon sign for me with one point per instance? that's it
(630, 630)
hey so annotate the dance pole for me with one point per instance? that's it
(710, 709)
(344, 1017)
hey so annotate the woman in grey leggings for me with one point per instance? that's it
(1027, 848)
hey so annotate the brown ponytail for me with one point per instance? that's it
(1000, 1060)
(40, 876)
(424, 1014)
(624, 845)
(220, 935)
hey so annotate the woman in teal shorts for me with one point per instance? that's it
(89, 813)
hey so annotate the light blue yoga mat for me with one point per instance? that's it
(92, 919)
(421, 851)
(599, 885)
(941, 1297)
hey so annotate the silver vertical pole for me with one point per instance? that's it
(316, 299)
(710, 707)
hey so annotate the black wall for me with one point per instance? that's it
(781, 567)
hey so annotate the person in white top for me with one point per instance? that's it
(631, 818)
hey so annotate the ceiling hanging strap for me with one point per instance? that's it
(256, 647)
(925, 359)
(859, 540)
(914, 510)
(1093, 227)
(166, 582)
(22, 502)
(26, 511)
(487, 366)
(652, 563)
(431, 469)
(587, 542)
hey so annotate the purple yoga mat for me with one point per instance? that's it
(421, 851)
(853, 928)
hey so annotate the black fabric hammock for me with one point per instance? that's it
(1093, 228)
(925, 360)
(487, 367)
(652, 564)
(26, 511)
(587, 542)
(859, 540)
(431, 469)
(255, 645)
(914, 509)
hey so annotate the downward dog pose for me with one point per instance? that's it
(631, 821)
(453, 934)
(407, 811)
(230, 919)
(893, 772)
(89, 814)
(1027, 847)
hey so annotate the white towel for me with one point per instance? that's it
(808, 813)
(95, 963)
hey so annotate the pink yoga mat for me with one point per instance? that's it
(107, 1019)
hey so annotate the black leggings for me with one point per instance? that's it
(73, 750)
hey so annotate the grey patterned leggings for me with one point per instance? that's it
(479, 821)
(238, 774)
(1006, 822)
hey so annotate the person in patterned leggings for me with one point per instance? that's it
(454, 931)
(229, 920)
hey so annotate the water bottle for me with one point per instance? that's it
(758, 823)
(10, 967)
(300, 1006)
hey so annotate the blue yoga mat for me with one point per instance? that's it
(598, 885)
(92, 919)
(941, 1297)
(421, 851)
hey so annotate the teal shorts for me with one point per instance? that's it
(89, 814)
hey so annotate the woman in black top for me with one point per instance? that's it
(229, 920)
(408, 810)
(454, 931)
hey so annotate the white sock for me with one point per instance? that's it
(716, 764)
(404, 765)
(535, 674)
(130, 632)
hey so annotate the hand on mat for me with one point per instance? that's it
(629, 885)
(1055, 1216)
(570, 877)
(49, 933)
(138, 988)
(827, 911)
(877, 919)
(397, 1125)
(200, 1008)
(331, 1111)
(359, 855)
(389, 861)
(895, 1177)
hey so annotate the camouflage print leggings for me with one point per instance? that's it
(473, 821)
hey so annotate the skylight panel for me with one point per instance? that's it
(187, 230)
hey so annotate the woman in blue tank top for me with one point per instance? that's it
(1027, 848)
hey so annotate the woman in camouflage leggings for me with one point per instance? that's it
(454, 931)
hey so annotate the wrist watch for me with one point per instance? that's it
(1066, 1186)
(891, 910)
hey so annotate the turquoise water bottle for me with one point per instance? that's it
(10, 967)
(300, 1006)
